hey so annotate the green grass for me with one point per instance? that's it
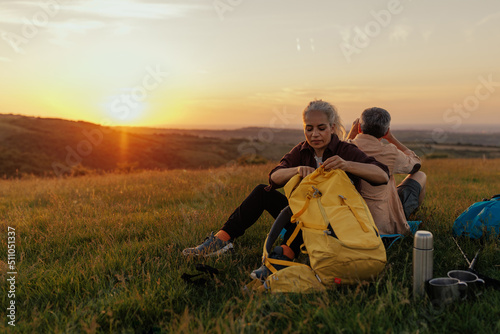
(103, 254)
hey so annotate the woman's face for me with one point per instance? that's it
(317, 130)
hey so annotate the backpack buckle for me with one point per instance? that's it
(316, 192)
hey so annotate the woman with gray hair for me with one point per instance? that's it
(331, 114)
(323, 131)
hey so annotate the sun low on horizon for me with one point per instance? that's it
(226, 64)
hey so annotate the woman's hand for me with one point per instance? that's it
(303, 171)
(371, 173)
(283, 175)
(335, 162)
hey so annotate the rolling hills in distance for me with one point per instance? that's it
(57, 147)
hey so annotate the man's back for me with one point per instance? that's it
(383, 200)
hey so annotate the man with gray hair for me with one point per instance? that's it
(390, 205)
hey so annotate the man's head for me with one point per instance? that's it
(375, 121)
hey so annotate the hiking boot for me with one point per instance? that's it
(212, 246)
(263, 272)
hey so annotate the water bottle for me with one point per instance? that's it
(423, 249)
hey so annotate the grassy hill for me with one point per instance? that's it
(42, 146)
(102, 253)
(55, 147)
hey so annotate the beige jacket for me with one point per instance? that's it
(383, 200)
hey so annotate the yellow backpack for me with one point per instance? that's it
(339, 233)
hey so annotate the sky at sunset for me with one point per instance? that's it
(233, 63)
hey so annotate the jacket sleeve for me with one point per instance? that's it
(291, 159)
(407, 162)
(351, 152)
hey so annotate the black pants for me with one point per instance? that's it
(252, 208)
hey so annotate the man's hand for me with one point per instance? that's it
(393, 140)
(354, 129)
(388, 136)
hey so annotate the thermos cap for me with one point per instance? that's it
(423, 240)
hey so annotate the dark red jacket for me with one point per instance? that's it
(303, 155)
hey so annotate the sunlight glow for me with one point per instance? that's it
(126, 107)
(192, 64)
(124, 143)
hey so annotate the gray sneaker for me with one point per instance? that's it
(212, 246)
(263, 272)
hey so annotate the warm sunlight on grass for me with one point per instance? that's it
(104, 252)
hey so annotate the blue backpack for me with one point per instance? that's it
(481, 218)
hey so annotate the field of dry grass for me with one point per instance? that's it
(102, 253)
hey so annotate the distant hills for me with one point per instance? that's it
(428, 135)
(56, 147)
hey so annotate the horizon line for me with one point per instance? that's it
(474, 127)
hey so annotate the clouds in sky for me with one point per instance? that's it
(265, 52)
(489, 18)
(483, 23)
(65, 18)
(129, 9)
(400, 33)
(109, 9)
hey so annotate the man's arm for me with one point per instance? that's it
(393, 140)
(354, 129)
(412, 162)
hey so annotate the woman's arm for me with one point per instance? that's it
(368, 172)
(283, 175)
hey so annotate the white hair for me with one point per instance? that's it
(331, 113)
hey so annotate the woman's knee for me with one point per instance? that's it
(259, 188)
(258, 192)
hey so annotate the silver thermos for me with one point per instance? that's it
(423, 249)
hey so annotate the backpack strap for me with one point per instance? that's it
(312, 193)
(304, 208)
(295, 232)
(203, 269)
(356, 214)
(269, 264)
